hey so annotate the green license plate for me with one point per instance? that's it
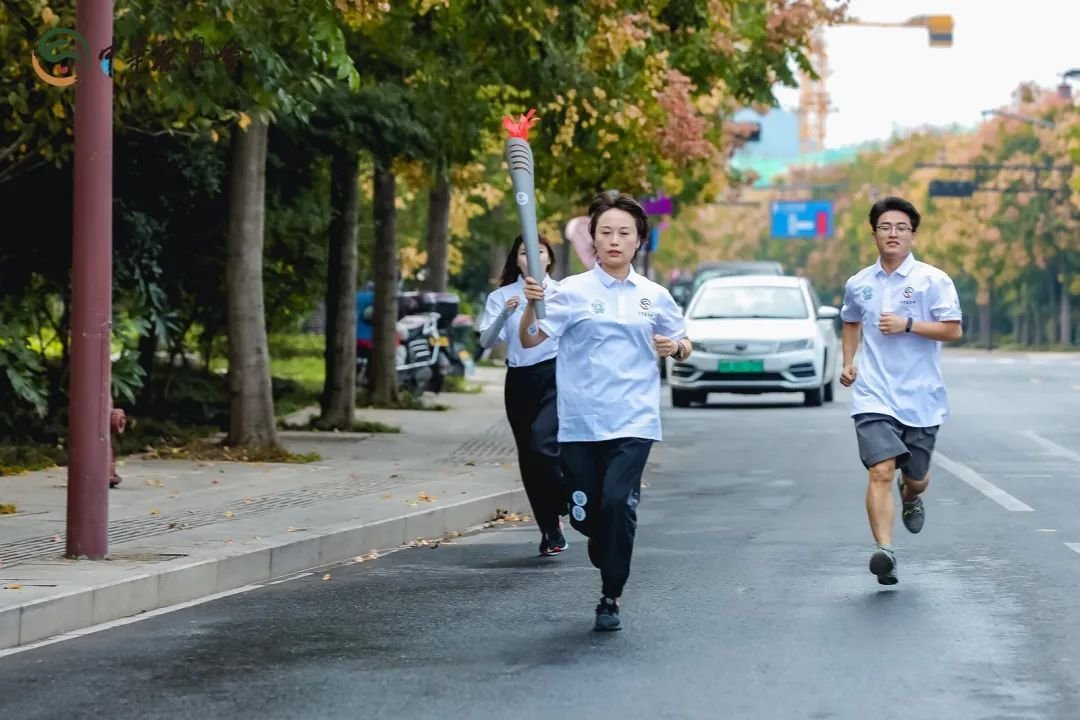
(741, 366)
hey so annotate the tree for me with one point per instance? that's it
(339, 390)
(290, 53)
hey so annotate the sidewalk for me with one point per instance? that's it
(183, 530)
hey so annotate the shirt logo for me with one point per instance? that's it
(645, 303)
(867, 292)
(598, 307)
(909, 291)
(533, 330)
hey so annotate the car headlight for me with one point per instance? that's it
(803, 344)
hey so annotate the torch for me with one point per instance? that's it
(519, 158)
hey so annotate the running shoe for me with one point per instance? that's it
(553, 543)
(607, 616)
(914, 515)
(883, 564)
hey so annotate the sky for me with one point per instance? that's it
(887, 79)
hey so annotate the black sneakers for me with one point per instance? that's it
(553, 543)
(607, 615)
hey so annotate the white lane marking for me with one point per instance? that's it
(977, 481)
(1051, 447)
(1045, 530)
(1075, 547)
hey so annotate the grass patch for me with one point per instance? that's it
(216, 450)
(19, 459)
(458, 384)
(374, 426)
(406, 401)
(358, 426)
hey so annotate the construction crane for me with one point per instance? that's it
(814, 104)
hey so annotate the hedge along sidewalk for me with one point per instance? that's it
(183, 530)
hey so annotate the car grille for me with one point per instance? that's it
(740, 377)
(740, 347)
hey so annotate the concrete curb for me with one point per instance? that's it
(76, 610)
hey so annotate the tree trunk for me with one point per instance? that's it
(1065, 307)
(438, 234)
(148, 345)
(384, 270)
(251, 402)
(982, 303)
(339, 388)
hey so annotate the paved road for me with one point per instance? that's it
(750, 595)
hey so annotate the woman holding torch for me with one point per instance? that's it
(609, 322)
(530, 394)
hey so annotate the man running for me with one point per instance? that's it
(904, 309)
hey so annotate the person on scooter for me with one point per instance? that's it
(530, 394)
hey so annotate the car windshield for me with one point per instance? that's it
(750, 301)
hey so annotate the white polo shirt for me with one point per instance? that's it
(900, 375)
(607, 374)
(516, 355)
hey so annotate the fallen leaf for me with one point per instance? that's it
(155, 511)
(230, 514)
(149, 482)
(229, 542)
(248, 501)
(470, 464)
(326, 576)
(7, 509)
(215, 482)
(387, 497)
(13, 586)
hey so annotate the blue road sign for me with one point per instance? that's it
(800, 219)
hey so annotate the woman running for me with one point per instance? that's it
(610, 323)
(530, 394)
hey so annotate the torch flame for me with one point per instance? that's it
(520, 129)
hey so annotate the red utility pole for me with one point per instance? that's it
(91, 293)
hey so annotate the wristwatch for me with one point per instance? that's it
(909, 321)
(678, 354)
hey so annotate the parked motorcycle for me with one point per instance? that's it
(419, 357)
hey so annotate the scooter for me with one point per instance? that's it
(419, 359)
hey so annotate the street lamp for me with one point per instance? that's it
(1021, 118)
(1064, 89)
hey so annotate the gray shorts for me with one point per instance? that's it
(882, 437)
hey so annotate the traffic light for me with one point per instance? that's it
(940, 27)
(952, 188)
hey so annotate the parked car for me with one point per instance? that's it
(757, 334)
(709, 270)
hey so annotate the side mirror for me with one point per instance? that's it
(827, 312)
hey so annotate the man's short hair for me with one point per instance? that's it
(894, 203)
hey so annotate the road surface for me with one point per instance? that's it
(749, 597)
